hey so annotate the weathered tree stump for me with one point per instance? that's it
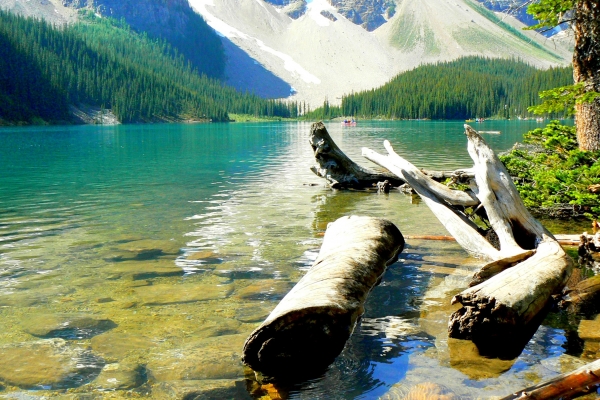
(312, 323)
(529, 264)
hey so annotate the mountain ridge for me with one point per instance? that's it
(325, 58)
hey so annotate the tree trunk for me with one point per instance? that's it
(586, 69)
(510, 299)
(565, 386)
(312, 323)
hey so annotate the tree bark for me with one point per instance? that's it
(312, 323)
(586, 69)
(511, 299)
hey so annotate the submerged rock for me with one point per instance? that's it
(147, 249)
(421, 391)
(173, 294)
(212, 358)
(47, 364)
(148, 245)
(211, 389)
(116, 346)
(217, 326)
(33, 297)
(120, 376)
(253, 313)
(140, 270)
(268, 289)
(66, 326)
(465, 357)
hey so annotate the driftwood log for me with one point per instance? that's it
(532, 263)
(341, 172)
(527, 264)
(566, 386)
(312, 323)
(584, 297)
(338, 169)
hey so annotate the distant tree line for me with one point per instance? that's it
(44, 69)
(470, 87)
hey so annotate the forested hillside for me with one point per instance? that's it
(469, 87)
(44, 69)
(171, 20)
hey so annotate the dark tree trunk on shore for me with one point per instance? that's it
(586, 69)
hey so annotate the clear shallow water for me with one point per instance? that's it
(148, 253)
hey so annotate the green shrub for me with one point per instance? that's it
(553, 175)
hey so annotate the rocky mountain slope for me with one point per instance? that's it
(324, 54)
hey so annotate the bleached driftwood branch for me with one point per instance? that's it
(530, 264)
(341, 172)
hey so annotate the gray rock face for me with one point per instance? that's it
(294, 8)
(328, 15)
(147, 15)
(370, 14)
(517, 8)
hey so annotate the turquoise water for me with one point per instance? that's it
(148, 253)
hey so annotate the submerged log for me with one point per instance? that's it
(583, 297)
(566, 386)
(537, 267)
(312, 323)
(337, 168)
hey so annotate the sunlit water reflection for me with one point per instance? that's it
(153, 251)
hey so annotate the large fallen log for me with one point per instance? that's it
(312, 323)
(341, 172)
(537, 267)
(566, 386)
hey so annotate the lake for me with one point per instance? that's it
(138, 259)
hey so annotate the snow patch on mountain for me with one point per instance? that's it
(232, 33)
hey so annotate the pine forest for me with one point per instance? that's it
(44, 69)
(470, 87)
